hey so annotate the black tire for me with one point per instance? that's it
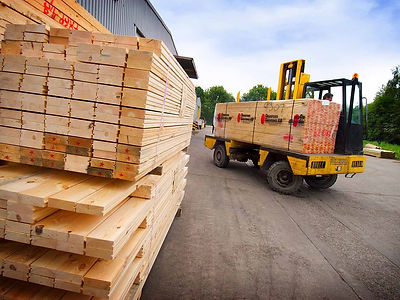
(321, 182)
(281, 179)
(221, 160)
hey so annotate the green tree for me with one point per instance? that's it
(209, 98)
(257, 93)
(384, 112)
(199, 92)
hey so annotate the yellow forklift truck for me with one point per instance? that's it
(285, 170)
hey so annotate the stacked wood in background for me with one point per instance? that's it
(94, 103)
(373, 150)
(83, 234)
(301, 125)
(55, 13)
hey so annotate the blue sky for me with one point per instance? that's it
(239, 44)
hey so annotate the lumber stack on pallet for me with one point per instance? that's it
(100, 104)
(100, 253)
(301, 125)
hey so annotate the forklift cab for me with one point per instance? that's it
(349, 138)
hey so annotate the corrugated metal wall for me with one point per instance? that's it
(121, 17)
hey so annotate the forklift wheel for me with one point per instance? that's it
(221, 160)
(281, 179)
(321, 182)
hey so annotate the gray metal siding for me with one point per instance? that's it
(121, 16)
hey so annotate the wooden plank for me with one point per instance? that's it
(106, 196)
(16, 265)
(116, 229)
(35, 190)
(13, 172)
(68, 199)
(27, 213)
(101, 279)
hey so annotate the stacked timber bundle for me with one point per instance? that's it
(101, 104)
(88, 235)
(301, 125)
(55, 13)
(107, 108)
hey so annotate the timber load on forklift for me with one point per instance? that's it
(285, 163)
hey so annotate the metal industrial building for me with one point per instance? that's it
(136, 18)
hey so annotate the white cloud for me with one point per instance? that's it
(239, 44)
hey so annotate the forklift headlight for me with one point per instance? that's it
(338, 168)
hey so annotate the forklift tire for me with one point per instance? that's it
(321, 182)
(281, 178)
(221, 160)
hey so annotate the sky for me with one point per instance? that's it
(239, 44)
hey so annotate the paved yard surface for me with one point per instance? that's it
(237, 239)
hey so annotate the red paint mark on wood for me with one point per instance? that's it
(288, 137)
(50, 10)
(262, 118)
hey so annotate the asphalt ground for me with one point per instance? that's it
(237, 239)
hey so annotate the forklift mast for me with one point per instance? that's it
(291, 80)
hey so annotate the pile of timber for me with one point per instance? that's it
(78, 111)
(106, 105)
(301, 125)
(82, 234)
(372, 150)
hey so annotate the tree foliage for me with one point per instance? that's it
(210, 97)
(384, 112)
(257, 93)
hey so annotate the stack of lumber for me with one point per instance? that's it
(55, 13)
(372, 150)
(79, 110)
(301, 125)
(76, 235)
(94, 103)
